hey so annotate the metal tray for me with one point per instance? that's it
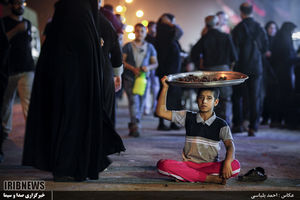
(233, 78)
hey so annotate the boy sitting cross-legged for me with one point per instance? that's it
(204, 130)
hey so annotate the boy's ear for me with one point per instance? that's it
(216, 102)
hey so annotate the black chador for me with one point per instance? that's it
(68, 131)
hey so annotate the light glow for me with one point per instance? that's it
(145, 23)
(119, 9)
(128, 1)
(129, 28)
(139, 13)
(131, 36)
(296, 36)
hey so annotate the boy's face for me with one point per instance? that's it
(140, 33)
(206, 101)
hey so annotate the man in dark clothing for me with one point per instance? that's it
(218, 54)
(251, 43)
(284, 58)
(153, 81)
(20, 62)
(169, 60)
(151, 33)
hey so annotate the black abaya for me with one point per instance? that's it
(284, 58)
(68, 131)
(112, 59)
(169, 62)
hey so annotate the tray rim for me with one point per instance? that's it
(222, 83)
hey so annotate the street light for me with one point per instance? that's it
(145, 23)
(129, 28)
(119, 8)
(131, 36)
(139, 13)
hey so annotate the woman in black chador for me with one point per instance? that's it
(169, 61)
(68, 131)
(284, 58)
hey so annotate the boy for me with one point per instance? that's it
(138, 56)
(203, 132)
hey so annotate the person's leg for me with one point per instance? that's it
(148, 100)
(254, 103)
(179, 170)
(142, 103)
(224, 108)
(24, 89)
(128, 85)
(155, 91)
(237, 110)
(8, 102)
(215, 168)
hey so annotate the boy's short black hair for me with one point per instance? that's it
(139, 25)
(216, 92)
(246, 8)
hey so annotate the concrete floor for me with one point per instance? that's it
(276, 150)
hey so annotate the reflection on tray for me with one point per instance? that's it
(200, 79)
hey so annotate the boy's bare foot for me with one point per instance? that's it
(215, 179)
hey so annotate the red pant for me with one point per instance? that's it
(193, 172)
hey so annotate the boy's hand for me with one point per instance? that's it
(144, 69)
(136, 71)
(163, 81)
(227, 170)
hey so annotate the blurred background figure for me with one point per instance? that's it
(169, 61)
(139, 57)
(270, 81)
(218, 53)
(251, 43)
(108, 11)
(67, 99)
(113, 64)
(20, 63)
(153, 81)
(223, 21)
(32, 16)
(284, 59)
(4, 45)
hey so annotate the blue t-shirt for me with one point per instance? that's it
(146, 51)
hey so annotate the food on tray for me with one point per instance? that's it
(194, 79)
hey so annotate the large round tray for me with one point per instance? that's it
(233, 78)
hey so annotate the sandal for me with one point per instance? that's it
(253, 175)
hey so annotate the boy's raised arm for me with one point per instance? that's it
(161, 109)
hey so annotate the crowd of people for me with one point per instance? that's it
(70, 96)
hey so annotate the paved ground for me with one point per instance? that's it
(276, 150)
